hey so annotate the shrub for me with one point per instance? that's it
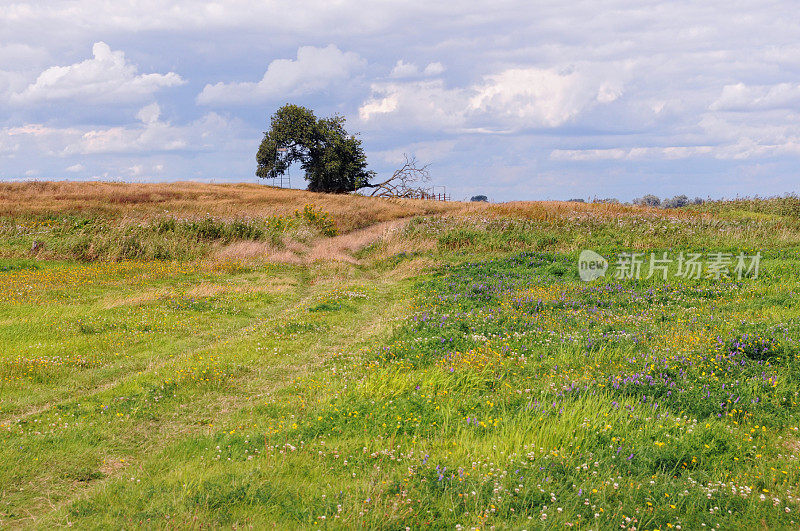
(648, 200)
(318, 218)
(676, 202)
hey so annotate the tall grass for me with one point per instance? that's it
(146, 201)
(165, 238)
(787, 205)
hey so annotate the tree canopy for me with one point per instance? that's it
(333, 160)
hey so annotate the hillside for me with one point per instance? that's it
(193, 200)
(186, 355)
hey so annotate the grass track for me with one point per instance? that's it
(83, 424)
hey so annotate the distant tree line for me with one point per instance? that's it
(678, 201)
(649, 200)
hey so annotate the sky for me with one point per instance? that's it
(510, 99)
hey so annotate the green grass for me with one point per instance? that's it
(493, 388)
(95, 238)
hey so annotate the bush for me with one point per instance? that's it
(676, 202)
(479, 198)
(319, 219)
(649, 200)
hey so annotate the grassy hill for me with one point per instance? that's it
(237, 355)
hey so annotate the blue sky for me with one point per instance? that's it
(512, 99)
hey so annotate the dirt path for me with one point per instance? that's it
(342, 247)
(339, 248)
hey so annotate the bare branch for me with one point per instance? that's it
(405, 181)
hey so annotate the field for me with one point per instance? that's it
(196, 355)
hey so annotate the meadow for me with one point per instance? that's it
(237, 356)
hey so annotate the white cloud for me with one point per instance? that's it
(138, 171)
(769, 143)
(426, 104)
(541, 98)
(10, 82)
(149, 114)
(637, 153)
(105, 78)
(740, 97)
(36, 140)
(433, 69)
(76, 168)
(314, 70)
(513, 99)
(403, 69)
(150, 135)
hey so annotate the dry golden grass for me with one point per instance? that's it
(338, 248)
(243, 200)
(553, 210)
(362, 221)
(341, 247)
(191, 199)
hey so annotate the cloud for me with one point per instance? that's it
(426, 104)
(149, 114)
(314, 70)
(740, 97)
(641, 95)
(536, 97)
(20, 56)
(433, 69)
(511, 100)
(404, 70)
(10, 82)
(739, 148)
(151, 135)
(637, 153)
(105, 78)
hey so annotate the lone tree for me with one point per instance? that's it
(333, 161)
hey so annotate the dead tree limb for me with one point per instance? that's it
(405, 181)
